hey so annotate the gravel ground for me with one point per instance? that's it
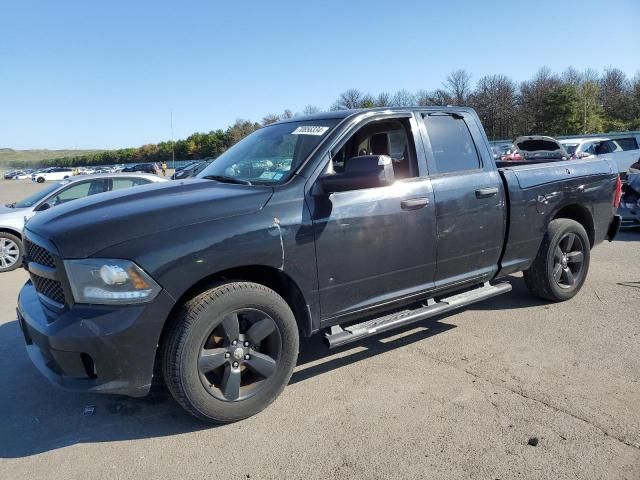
(461, 397)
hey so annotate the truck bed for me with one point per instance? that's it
(538, 191)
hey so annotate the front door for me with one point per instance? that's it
(376, 245)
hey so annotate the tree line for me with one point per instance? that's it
(553, 104)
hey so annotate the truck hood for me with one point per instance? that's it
(85, 226)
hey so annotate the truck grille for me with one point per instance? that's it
(50, 288)
(37, 254)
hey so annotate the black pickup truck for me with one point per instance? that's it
(348, 223)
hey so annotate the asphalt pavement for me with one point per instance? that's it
(513, 387)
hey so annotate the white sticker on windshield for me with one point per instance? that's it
(310, 130)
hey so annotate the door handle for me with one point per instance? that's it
(486, 192)
(414, 203)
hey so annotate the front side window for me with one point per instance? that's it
(78, 190)
(383, 137)
(270, 155)
(451, 143)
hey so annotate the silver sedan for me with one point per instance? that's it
(14, 215)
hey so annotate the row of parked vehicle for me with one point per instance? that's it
(623, 149)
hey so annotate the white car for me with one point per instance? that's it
(22, 175)
(14, 215)
(55, 173)
(624, 151)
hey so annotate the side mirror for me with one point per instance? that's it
(44, 206)
(365, 171)
(582, 154)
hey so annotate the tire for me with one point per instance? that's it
(11, 252)
(562, 263)
(40, 180)
(202, 366)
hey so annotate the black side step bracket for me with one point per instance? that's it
(339, 335)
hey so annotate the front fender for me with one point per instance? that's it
(179, 258)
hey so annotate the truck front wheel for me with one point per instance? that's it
(230, 351)
(561, 265)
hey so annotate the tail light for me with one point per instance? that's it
(618, 195)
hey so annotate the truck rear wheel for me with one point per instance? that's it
(230, 351)
(560, 268)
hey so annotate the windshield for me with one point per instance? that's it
(31, 200)
(270, 155)
(570, 147)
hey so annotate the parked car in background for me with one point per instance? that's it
(579, 148)
(22, 174)
(54, 173)
(630, 203)
(151, 168)
(14, 215)
(190, 171)
(622, 150)
(539, 148)
(10, 174)
(511, 155)
(188, 165)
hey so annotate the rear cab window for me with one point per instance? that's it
(452, 144)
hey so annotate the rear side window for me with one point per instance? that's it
(628, 143)
(120, 183)
(451, 143)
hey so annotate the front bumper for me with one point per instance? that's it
(94, 348)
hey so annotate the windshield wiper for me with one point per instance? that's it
(225, 179)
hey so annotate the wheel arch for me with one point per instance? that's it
(11, 231)
(580, 214)
(270, 277)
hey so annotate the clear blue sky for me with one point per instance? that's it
(105, 74)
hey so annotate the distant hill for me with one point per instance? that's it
(17, 158)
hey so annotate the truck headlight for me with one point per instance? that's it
(109, 281)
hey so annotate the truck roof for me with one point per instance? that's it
(342, 114)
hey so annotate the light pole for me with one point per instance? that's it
(173, 145)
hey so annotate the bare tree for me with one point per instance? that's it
(403, 98)
(383, 100)
(367, 101)
(533, 99)
(348, 100)
(435, 98)
(310, 110)
(494, 99)
(571, 76)
(458, 86)
(269, 119)
(616, 98)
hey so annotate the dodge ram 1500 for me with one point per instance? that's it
(346, 223)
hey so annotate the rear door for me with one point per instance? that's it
(469, 196)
